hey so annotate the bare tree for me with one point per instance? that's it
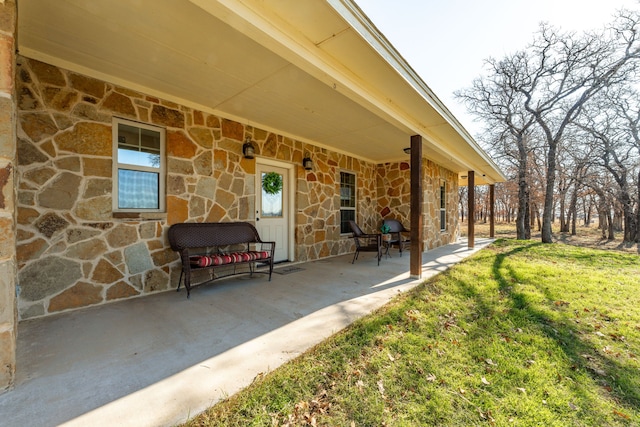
(566, 72)
(628, 105)
(544, 88)
(612, 125)
(496, 101)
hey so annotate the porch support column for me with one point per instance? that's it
(8, 146)
(492, 212)
(472, 209)
(417, 233)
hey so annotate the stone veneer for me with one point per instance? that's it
(73, 251)
(8, 314)
(393, 182)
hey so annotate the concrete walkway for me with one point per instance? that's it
(157, 360)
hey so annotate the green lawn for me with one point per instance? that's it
(521, 334)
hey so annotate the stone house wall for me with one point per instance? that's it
(8, 314)
(73, 251)
(434, 175)
(393, 182)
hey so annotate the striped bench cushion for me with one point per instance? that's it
(231, 258)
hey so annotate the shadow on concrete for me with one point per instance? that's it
(159, 359)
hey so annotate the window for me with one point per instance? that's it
(443, 207)
(347, 200)
(138, 167)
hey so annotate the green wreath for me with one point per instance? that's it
(272, 183)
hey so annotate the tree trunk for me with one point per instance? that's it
(617, 219)
(638, 213)
(611, 234)
(523, 199)
(563, 218)
(587, 215)
(602, 223)
(547, 213)
(573, 209)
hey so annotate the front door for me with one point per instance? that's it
(272, 207)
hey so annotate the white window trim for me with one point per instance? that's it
(349, 208)
(162, 196)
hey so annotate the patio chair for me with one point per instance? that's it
(366, 242)
(398, 237)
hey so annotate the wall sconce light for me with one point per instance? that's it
(407, 150)
(307, 163)
(248, 150)
(463, 176)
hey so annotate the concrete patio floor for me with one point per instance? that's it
(157, 360)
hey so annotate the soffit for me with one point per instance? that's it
(303, 71)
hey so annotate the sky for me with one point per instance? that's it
(447, 41)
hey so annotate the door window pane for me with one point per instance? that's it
(272, 202)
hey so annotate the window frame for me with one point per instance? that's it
(443, 206)
(353, 208)
(117, 165)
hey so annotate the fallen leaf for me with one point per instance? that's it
(484, 381)
(572, 406)
(462, 391)
(621, 414)
(391, 357)
(490, 362)
(431, 378)
(521, 390)
(381, 387)
(258, 376)
(617, 337)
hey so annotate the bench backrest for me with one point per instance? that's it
(207, 234)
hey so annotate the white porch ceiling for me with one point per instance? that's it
(314, 70)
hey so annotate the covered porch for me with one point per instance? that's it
(295, 79)
(157, 360)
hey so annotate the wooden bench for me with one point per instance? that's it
(219, 246)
